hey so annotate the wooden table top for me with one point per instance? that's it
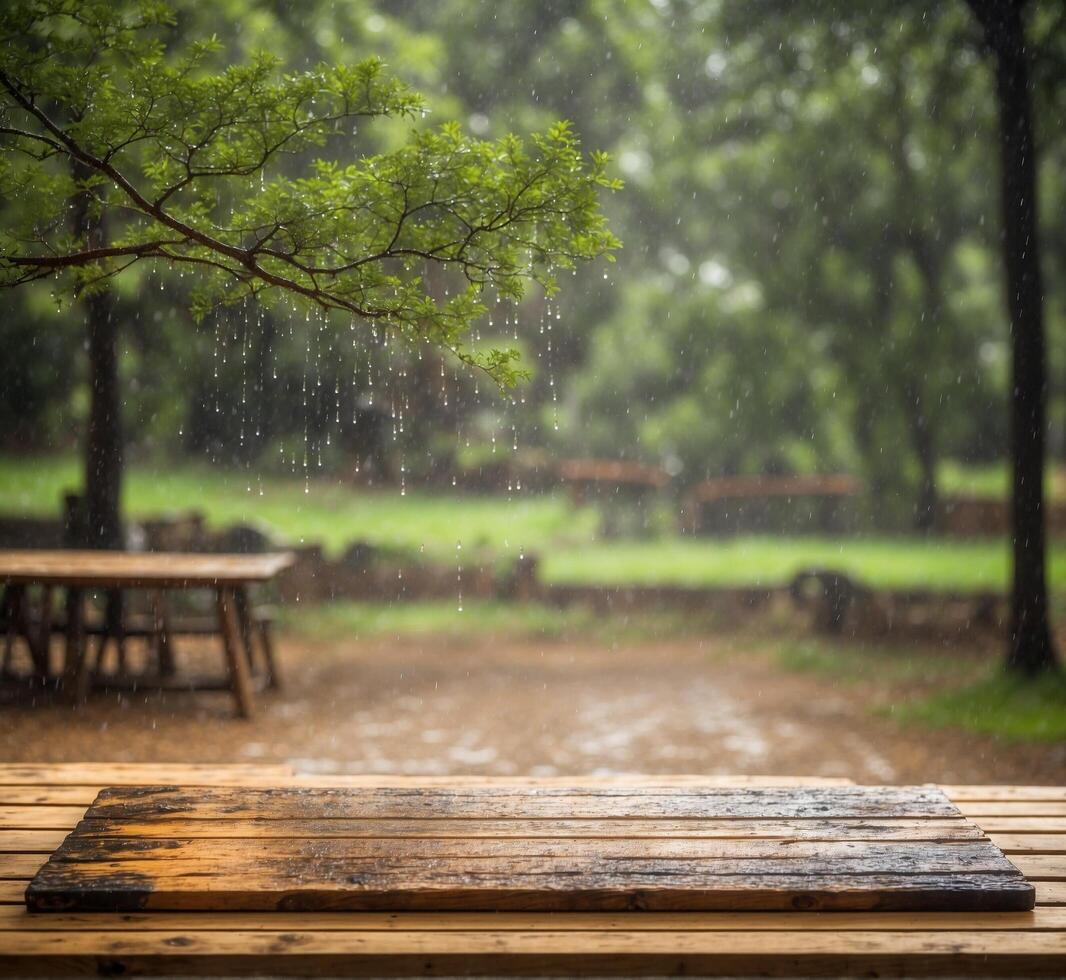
(131, 569)
(578, 848)
(39, 805)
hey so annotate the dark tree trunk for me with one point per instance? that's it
(928, 257)
(924, 443)
(1031, 647)
(103, 444)
(102, 521)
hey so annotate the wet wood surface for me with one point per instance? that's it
(45, 803)
(126, 569)
(539, 848)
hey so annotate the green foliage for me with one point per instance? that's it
(479, 618)
(431, 525)
(1005, 705)
(932, 688)
(798, 183)
(326, 512)
(892, 563)
(108, 112)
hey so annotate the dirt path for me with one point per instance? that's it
(428, 706)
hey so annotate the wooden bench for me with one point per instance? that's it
(39, 805)
(827, 490)
(228, 576)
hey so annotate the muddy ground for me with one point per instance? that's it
(505, 706)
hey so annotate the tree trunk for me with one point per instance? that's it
(923, 442)
(103, 440)
(103, 443)
(1031, 648)
(929, 259)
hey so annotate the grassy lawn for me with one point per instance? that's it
(763, 561)
(939, 691)
(327, 512)
(335, 515)
(992, 480)
(476, 618)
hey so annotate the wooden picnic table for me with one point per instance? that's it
(228, 575)
(40, 805)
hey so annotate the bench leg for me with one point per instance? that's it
(244, 621)
(11, 604)
(257, 635)
(44, 636)
(237, 661)
(116, 628)
(267, 643)
(76, 669)
(164, 652)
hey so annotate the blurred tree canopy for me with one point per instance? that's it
(810, 280)
(127, 144)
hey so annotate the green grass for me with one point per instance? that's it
(320, 511)
(1012, 708)
(989, 480)
(900, 563)
(968, 694)
(849, 661)
(490, 527)
(478, 618)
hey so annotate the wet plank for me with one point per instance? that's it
(16, 918)
(876, 953)
(97, 775)
(970, 793)
(145, 848)
(122, 569)
(939, 829)
(540, 803)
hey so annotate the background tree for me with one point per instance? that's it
(1031, 650)
(160, 157)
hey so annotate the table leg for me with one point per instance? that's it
(10, 604)
(76, 669)
(161, 633)
(257, 633)
(240, 679)
(44, 636)
(115, 618)
(244, 620)
(267, 643)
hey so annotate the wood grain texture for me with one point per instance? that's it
(793, 952)
(413, 849)
(122, 569)
(346, 943)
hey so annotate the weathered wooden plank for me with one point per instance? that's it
(717, 856)
(49, 795)
(1030, 843)
(971, 793)
(98, 870)
(13, 891)
(1050, 892)
(443, 888)
(1041, 919)
(124, 569)
(40, 817)
(1021, 825)
(36, 841)
(20, 866)
(1012, 808)
(1041, 867)
(937, 829)
(790, 952)
(100, 774)
(336, 780)
(843, 802)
